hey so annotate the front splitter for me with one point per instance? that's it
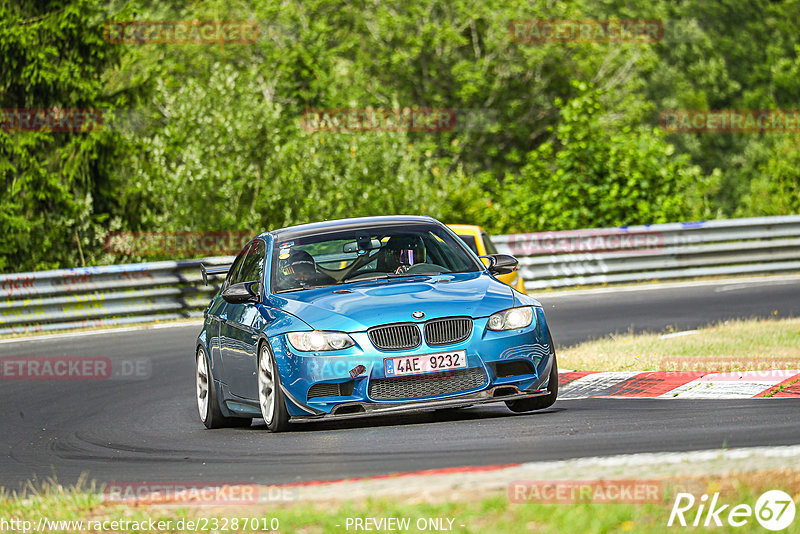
(354, 410)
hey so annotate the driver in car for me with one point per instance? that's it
(300, 270)
(401, 252)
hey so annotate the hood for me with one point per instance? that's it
(390, 301)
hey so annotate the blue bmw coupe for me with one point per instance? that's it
(367, 316)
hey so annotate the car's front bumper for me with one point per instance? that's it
(352, 410)
(362, 365)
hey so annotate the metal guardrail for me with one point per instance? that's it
(123, 294)
(103, 296)
(656, 252)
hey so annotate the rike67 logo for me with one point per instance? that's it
(774, 510)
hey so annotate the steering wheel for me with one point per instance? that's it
(357, 264)
(426, 267)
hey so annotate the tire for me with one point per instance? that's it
(540, 403)
(270, 395)
(206, 393)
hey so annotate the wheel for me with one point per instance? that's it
(207, 403)
(270, 396)
(540, 403)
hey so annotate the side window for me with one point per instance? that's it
(470, 241)
(236, 266)
(487, 244)
(253, 265)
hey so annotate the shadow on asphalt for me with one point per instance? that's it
(448, 415)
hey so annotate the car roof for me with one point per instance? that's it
(338, 225)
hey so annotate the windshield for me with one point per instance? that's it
(470, 241)
(367, 254)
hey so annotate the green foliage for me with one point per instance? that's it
(260, 170)
(210, 136)
(53, 56)
(600, 174)
(728, 55)
(775, 190)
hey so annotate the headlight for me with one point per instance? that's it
(511, 319)
(318, 340)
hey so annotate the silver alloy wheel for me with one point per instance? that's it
(202, 384)
(266, 385)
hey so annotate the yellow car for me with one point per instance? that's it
(481, 244)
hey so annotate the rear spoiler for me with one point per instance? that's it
(213, 270)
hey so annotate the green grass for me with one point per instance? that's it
(483, 514)
(758, 344)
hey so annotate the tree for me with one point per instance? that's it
(599, 174)
(57, 188)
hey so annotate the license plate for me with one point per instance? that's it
(426, 363)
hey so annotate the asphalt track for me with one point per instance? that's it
(148, 430)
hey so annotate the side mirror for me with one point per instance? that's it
(241, 293)
(501, 263)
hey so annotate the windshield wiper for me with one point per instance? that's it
(301, 288)
(397, 275)
(368, 279)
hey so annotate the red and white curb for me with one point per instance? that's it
(679, 384)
